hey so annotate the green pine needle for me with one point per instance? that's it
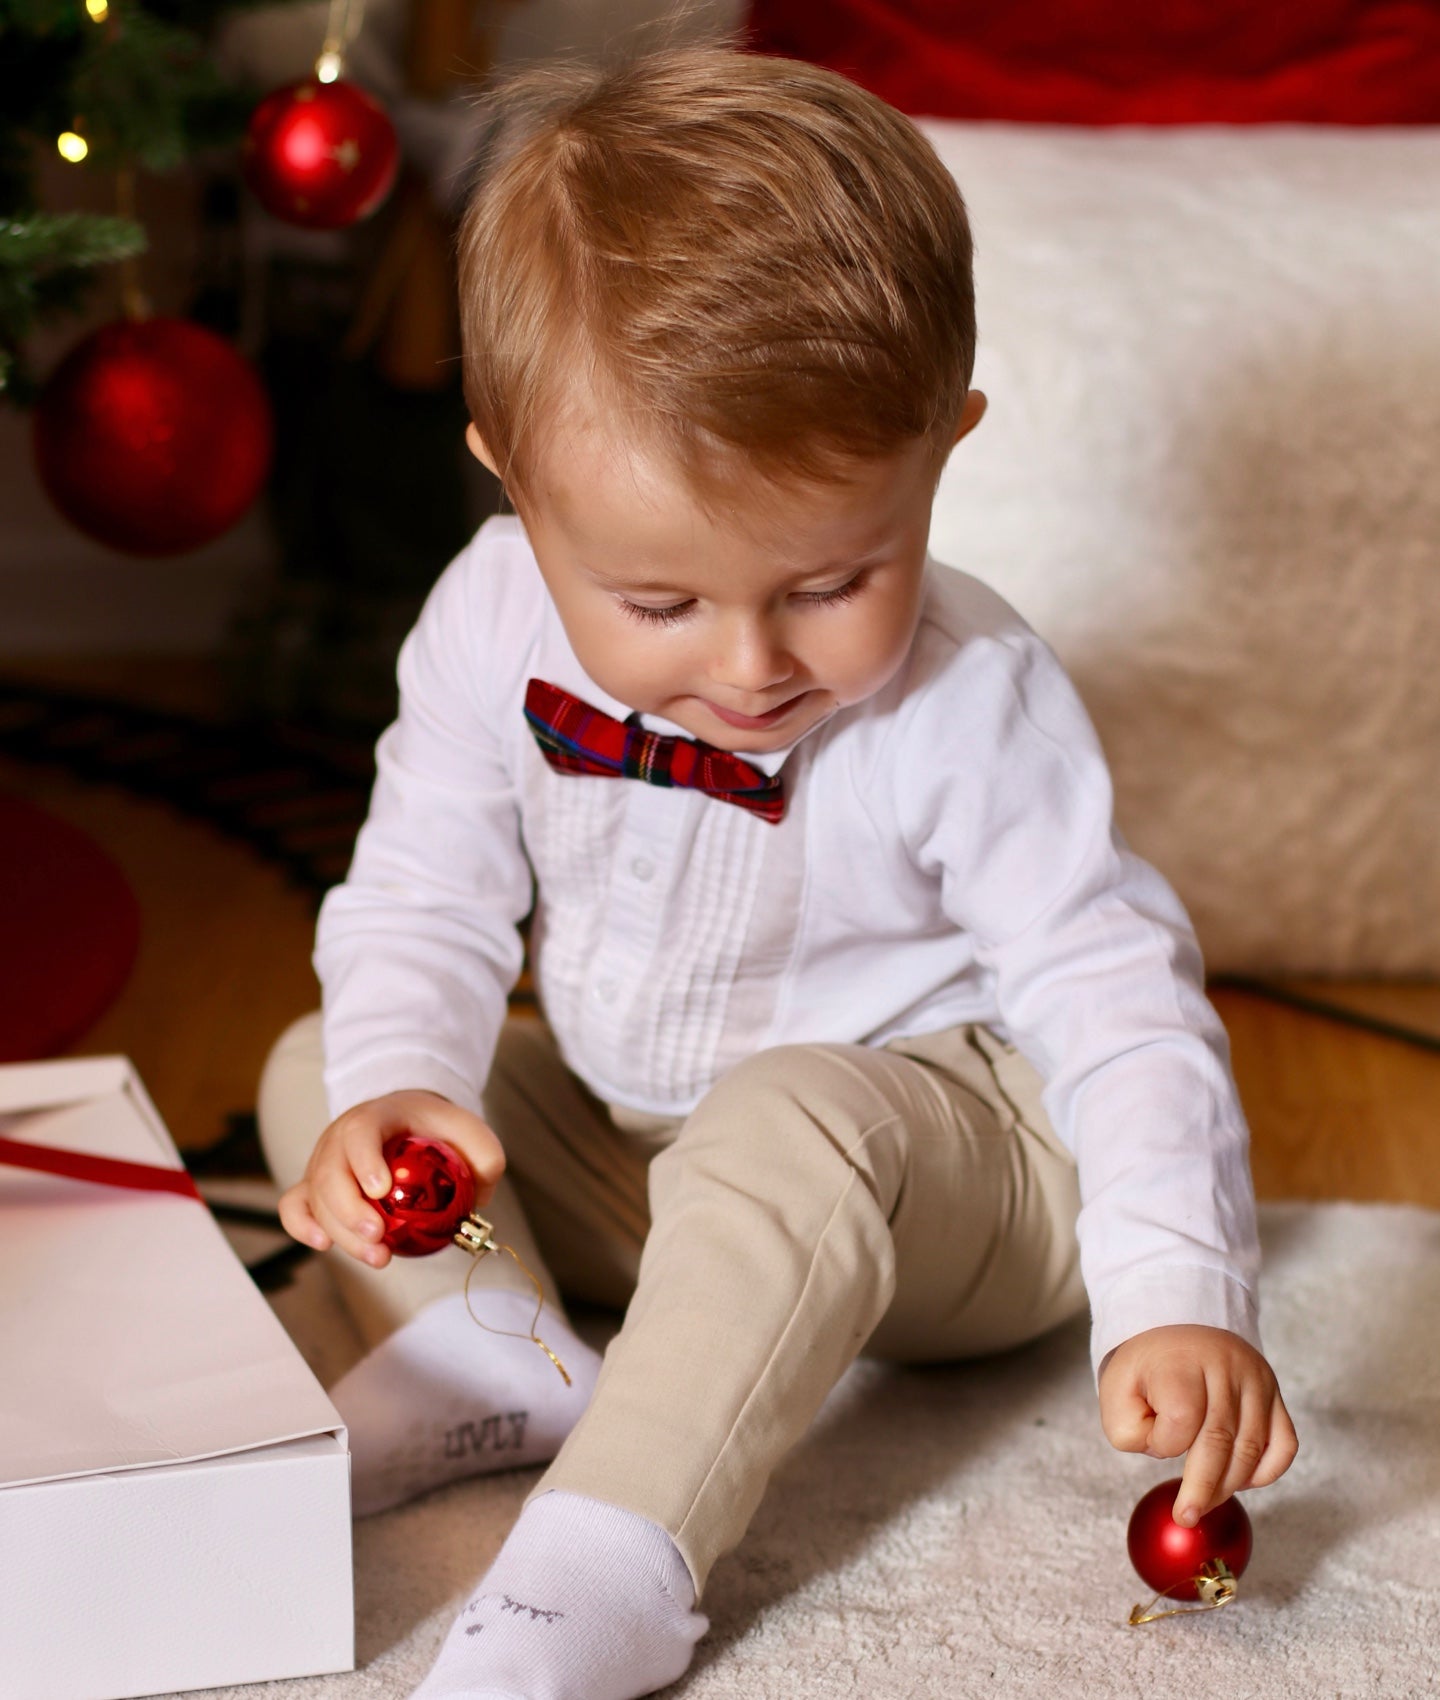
(46, 264)
(44, 241)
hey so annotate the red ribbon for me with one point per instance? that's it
(107, 1171)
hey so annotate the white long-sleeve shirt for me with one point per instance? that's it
(948, 854)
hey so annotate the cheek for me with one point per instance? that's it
(875, 644)
(630, 660)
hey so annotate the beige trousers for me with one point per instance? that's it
(912, 1201)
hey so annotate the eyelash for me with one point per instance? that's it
(681, 610)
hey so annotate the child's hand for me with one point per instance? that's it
(1204, 1390)
(329, 1206)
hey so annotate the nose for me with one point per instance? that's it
(750, 655)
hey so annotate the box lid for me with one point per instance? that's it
(130, 1333)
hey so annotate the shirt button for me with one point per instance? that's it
(604, 991)
(642, 868)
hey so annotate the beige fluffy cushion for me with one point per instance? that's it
(1210, 476)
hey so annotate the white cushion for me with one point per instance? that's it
(1210, 476)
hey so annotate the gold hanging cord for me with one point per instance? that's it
(1215, 1583)
(477, 1236)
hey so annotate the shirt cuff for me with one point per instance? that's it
(399, 1071)
(1162, 1297)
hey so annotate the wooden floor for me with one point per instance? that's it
(225, 965)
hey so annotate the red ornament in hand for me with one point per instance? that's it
(1169, 1556)
(153, 436)
(432, 1191)
(430, 1204)
(322, 155)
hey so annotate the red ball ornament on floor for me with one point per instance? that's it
(1167, 1554)
(322, 155)
(153, 436)
(432, 1191)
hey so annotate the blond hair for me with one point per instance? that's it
(750, 256)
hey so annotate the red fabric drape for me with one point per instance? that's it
(1125, 61)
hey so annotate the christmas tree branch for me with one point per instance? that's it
(45, 261)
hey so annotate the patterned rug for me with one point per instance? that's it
(296, 797)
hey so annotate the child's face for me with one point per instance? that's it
(748, 623)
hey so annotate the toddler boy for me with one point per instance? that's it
(825, 884)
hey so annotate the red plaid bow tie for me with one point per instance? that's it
(577, 738)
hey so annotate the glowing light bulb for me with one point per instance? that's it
(327, 66)
(99, 10)
(72, 147)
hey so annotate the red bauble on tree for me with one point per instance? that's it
(319, 154)
(153, 436)
(1171, 1557)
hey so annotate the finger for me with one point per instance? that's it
(336, 1194)
(298, 1221)
(354, 1227)
(1126, 1414)
(1209, 1456)
(361, 1139)
(1177, 1391)
(1252, 1434)
(1280, 1450)
(430, 1114)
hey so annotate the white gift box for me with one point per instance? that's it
(174, 1483)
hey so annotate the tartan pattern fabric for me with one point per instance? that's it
(576, 737)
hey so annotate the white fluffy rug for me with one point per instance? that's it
(961, 1531)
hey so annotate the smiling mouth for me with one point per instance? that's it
(754, 722)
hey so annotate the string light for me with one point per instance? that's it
(342, 26)
(70, 144)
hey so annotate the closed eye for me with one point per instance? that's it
(670, 616)
(675, 612)
(831, 598)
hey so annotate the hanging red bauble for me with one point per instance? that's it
(320, 154)
(432, 1192)
(1169, 1556)
(153, 435)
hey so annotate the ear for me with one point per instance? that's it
(480, 449)
(970, 414)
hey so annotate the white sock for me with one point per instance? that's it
(583, 1602)
(442, 1398)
